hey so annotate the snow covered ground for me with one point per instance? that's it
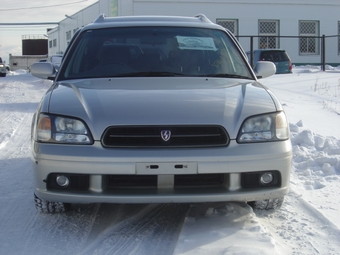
(308, 222)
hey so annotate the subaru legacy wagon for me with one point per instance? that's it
(156, 109)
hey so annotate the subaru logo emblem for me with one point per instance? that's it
(165, 134)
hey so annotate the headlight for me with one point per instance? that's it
(264, 128)
(58, 129)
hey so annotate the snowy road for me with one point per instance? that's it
(308, 222)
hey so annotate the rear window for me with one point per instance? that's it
(153, 51)
(274, 56)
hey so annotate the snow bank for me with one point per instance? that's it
(316, 158)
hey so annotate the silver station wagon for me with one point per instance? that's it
(154, 109)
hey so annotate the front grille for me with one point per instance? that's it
(151, 136)
(150, 181)
(199, 180)
(130, 181)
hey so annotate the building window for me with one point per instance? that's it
(309, 43)
(68, 35)
(50, 44)
(230, 24)
(268, 34)
(54, 42)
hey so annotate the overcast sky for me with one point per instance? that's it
(23, 11)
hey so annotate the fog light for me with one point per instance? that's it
(266, 178)
(62, 181)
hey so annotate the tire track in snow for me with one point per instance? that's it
(299, 228)
(56, 234)
(24, 230)
(18, 138)
(15, 162)
(5, 135)
(136, 229)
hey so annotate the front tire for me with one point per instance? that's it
(45, 206)
(267, 204)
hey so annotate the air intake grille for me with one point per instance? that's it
(150, 181)
(199, 180)
(165, 136)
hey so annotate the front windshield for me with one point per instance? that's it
(154, 51)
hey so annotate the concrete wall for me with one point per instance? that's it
(24, 62)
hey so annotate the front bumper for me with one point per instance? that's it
(99, 162)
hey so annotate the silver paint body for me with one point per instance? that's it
(104, 102)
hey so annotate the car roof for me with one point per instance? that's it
(199, 20)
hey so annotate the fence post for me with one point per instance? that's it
(323, 53)
(251, 52)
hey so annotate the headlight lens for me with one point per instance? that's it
(264, 128)
(57, 129)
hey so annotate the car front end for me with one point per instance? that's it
(3, 70)
(139, 129)
(116, 152)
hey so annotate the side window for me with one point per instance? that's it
(235, 63)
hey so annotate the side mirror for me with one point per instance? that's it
(264, 69)
(43, 70)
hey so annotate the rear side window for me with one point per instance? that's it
(274, 56)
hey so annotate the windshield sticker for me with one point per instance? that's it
(196, 43)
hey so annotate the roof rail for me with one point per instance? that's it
(203, 18)
(100, 19)
(199, 16)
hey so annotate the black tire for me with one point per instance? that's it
(267, 204)
(45, 206)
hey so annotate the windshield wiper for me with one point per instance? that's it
(151, 74)
(225, 75)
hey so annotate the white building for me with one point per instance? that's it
(263, 19)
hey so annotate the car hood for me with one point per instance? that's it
(160, 101)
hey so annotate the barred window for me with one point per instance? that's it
(268, 32)
(230, 24)
(309, 43)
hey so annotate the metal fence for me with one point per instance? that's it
(305, 46)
